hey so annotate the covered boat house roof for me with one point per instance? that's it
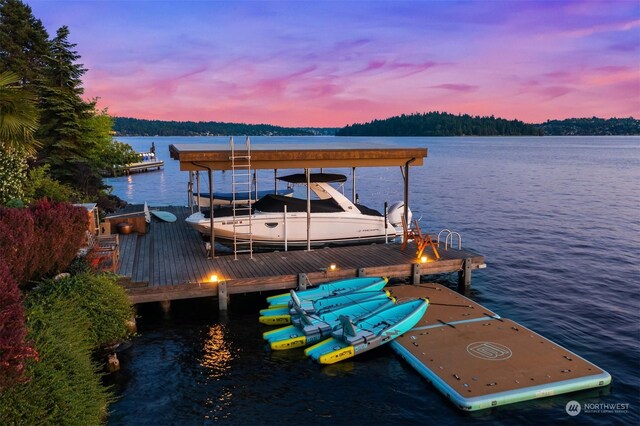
(296, 156)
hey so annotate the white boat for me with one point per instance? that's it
(227, 198)
(335, 220)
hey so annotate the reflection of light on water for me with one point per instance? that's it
(130, 187)
(217, 352)
(216, 359)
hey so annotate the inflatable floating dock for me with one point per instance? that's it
(479, 360)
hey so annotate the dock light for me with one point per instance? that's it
(424, 259)
(213, 279)
(332, 267)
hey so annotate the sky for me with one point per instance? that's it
(332, 63)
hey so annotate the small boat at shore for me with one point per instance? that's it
(279, 315)
(353, 338)
(310, 328)
(332, 220)
(333, 288)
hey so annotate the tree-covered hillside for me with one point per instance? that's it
(592, 126)
(440, 124)
(137, 127)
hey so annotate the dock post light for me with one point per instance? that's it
(332, 267)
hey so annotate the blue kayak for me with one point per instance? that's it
(308, 329)
(331, 289)
(351, 339)
(279, 315)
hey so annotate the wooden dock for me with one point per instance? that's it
(479, 360)
(169, 262)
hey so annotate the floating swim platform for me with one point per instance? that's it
(479, 360)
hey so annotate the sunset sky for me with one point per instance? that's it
(332, 63)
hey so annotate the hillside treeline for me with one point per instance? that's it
(591, 127)
(124, 126)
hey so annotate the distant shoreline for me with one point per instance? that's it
(433, 124)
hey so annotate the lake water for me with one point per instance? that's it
(558, 221)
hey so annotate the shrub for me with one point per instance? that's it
(61, 230)
(17, 242)
(65, 386)
(100, 297)
(12, 172)
(14, 349)
(39, 184)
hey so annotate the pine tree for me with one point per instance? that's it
(65, 114)
(23, 41)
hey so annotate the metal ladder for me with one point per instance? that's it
(241, 180)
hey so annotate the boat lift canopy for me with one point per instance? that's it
(296, 156)
(278, 156)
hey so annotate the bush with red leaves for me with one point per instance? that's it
(17, 241)
(14, 349)
(41, 241)
(60, 230)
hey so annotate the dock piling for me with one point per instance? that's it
(464, 276)
(415, 273)
(223, 296)
(302, 281)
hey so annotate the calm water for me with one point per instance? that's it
(558, 221)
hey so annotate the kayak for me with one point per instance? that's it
(351, 339)
(331, 289)
(280, 315)
(308, 329)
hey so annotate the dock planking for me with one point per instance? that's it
(169, 262)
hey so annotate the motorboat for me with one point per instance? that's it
(334, 219)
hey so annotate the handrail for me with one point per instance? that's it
(451, 234)
(440, 233)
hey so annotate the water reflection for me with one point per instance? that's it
(217, 353)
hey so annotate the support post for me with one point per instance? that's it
(302, 281)
(415, 274)
(308, 175)
(165, 305)
(353, 188)
(212, 253)
(198, 188)
(464, 276)
(223, 296)
(190, 191)
(362, 272)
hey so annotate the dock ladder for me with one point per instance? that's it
(241, 181)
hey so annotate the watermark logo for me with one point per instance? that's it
(573, 408)
(489, 350)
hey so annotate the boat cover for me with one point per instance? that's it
(275, 204)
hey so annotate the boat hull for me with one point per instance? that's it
(273, 230)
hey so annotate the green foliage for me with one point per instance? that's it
(23, 41)
(64, 386)
(440, 124)
(40, 184)
(137, 127)
(12, 175)
(592, 126)
(18, 116)
(105, 153)
(100, 297)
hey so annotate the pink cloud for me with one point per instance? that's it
(456, 87)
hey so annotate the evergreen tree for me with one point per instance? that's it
(64, 115)
(23, 41)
